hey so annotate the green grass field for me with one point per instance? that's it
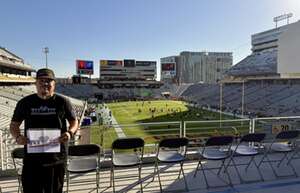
(138, 112)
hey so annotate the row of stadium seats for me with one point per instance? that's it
(5, 77)
(88, 91)
(257, 63)
(268, 99)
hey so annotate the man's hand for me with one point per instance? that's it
(21, 140)
(16, 133)
(64, 137)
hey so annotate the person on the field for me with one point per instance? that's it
(45, 113)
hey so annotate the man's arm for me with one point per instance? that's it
(73, 126)
(71, 131)
(16, 133)
(73, 122)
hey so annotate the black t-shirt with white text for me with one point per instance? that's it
(44, 113)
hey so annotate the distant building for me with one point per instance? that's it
(275, 54)
(194, 67)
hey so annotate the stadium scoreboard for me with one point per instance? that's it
(145, 63)
(111, 63)
(127, 69)
(168, 70)
(85, 67)
(129, 63)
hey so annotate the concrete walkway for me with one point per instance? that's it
(126, 180)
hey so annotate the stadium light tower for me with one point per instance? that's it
(282, 17)
(46, 51)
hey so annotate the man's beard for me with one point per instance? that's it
(46, 93)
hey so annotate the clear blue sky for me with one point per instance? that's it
(137, 29)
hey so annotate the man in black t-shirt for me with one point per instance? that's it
(44, 114)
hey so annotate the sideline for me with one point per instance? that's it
(106, 118)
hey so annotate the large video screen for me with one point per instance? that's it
(145, 63)
(85, 67)
(111, 62)
(168, 67)
(129, 63)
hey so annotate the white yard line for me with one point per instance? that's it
(118, 129)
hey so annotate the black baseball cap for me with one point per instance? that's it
(45, 73)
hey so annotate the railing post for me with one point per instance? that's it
(6, 149)
(252, 125)
(184, 128)
(181, 129)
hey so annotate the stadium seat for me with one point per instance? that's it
(17, 156)
(283, 143)
(83, 159)
(127, 152)
(248, 146)
(171, 151)
(216, 148)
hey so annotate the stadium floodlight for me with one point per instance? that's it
(46, 51)
(282, 17)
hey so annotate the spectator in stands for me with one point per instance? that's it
(44, 172)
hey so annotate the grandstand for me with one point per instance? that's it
(265, 83)
(93, 92)
(261, 99)
(273, 54)
(261, 63)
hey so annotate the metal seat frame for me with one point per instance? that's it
(283, 143)
(248, 146)
(216, 148)
(17, 155)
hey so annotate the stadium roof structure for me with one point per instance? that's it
(12, 54)
(10, 60)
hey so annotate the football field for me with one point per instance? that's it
(153, 119)
(157, 111)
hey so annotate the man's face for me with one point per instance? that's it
(45, 87)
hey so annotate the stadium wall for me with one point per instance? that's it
(288, 52)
